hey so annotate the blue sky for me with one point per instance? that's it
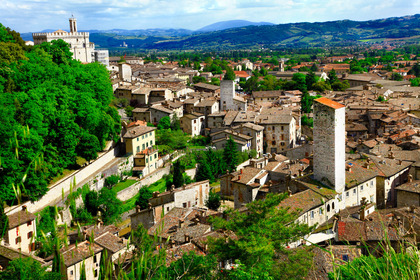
(37, 15)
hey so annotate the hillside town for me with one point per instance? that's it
(342, 151)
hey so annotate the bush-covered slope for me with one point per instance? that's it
(53, 109)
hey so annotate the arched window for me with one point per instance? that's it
(332, 205)
(328, 208)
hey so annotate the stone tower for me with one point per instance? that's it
(227, 93)
(329, 143)
(73, 25)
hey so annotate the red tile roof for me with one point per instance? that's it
(330, 103)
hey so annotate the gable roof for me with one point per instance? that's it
(329, 103)
(19, 218)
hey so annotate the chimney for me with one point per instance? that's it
(23, 207)
(399, 162)
(242, 171)
(366, 165)
(239, 177)
(410, 178)
(184, 186)
(391, 155)
(172, 188)
(187, 238)
(137, 208)
(181, 223)
(155, 194)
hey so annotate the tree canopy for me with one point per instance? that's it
(54, 109)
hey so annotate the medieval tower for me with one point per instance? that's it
(329, 143)
(227, 93)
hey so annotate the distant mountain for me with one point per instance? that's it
(222, 25)
(342, 32)
(304, 34)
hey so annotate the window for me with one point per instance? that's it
(138, 138)
(273, 142)
(138, 149)
(361, 188)
(354, 191)
(332, 205)
(347, 194)
(30, 234)
(371, 183)
(312, 214)
(328, 208)
(320, 210)
(94, 258)
(184, 205)
(195, 121)
(29, 223)
(71, 272)
(142, 137)
(96, 273)
(147, 160)
(346, 258)
(143, 146)
(282, 143)
(282, 128)
(151, 158)
(155, 155)
(273, 127)
(18, 240)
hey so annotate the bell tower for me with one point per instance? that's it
(73, 24)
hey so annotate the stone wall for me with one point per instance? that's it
(300, 152)
(54, 194)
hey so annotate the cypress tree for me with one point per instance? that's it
(230, 155)
(204, 171)
(178, 179)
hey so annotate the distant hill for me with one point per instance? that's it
(222, 25)
(304, 34)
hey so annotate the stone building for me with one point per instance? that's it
(79, 43)
(188, 196)
(228, 99)
(139, 138)
(329, 143)
(21, 233)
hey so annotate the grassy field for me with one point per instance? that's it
(158, 186)
(123, 185)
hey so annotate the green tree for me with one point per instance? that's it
(199, 79)
(229, 75)
(310, 79)
(261, 236)
(164, 123)
(314, 68)
(204, 171)
(88, 146)
(300, 80)
(178, 179)
(213, 201)
(143, 199)
(175, 124)
(110, 205)
(28, 269)
(321, 86)
(230, 155)
(112, 180)
(92, 202)
(4, 220)
(340, 86)
(193, 266)
(332, 77)
(396, 77)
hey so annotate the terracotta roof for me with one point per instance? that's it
(413, 187)
(248, 173)
(137, 131)
(269, 93)
(75, 254)
(329, 103)
(303, 201)
(110, 242)
(19, 218)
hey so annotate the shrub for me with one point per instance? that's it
(111, 180)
